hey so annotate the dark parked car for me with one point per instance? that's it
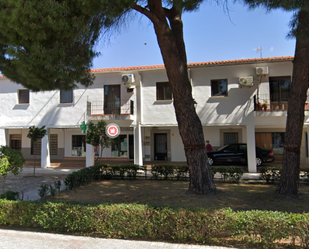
(237, 154)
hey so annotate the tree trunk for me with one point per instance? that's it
(170, 40)
(295, 118)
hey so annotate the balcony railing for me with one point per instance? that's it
(264, 103)
(110, 108)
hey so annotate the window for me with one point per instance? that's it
(230, 137)
(219, 87)
(15, 141)
(112, 99)
(164, 91)
(66, 96)
(53, 144)
(231, 148)
(23, 96)
(279, 88)
(78, 145)
(120, 146)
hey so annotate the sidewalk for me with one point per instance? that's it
(17, 239)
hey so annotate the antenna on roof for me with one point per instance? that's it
(259, 50)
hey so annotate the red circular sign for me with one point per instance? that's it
(112, 130)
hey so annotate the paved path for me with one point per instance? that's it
(14, 239)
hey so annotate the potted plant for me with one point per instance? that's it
(265, 105)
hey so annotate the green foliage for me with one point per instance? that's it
(96, 135)
(11, 161)
(230, 173)
(49, 44)
(36, 133)
(169, 171)
(100, 172)
(15, 158)
(43, 191)
(10, 195)
(249, 229)
(271, 174)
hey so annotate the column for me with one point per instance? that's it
(251, 153)
(3, 137)
(89, 155)
(138, 152)
(45, 151)
(307, 144)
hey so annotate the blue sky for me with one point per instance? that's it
(210, 34)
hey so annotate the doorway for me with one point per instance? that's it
(160, 146)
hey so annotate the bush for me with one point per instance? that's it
(100, 172)
(271, 174)
(250, 229)
(10, 195)
(230, 173)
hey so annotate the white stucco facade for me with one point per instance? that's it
(148, 123)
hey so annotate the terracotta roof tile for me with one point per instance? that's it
(196, 64)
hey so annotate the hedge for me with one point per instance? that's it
(258, 229)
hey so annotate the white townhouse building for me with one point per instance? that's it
(242, 101)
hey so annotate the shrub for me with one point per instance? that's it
(250, 229)
(230, 173)
(10, 195)
(271, 174)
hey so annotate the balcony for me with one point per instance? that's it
(122, 110)
(264, 103)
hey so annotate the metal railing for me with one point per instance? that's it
(96, 108)
(266, 102)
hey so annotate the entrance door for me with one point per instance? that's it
(160, 146)
(112, 99)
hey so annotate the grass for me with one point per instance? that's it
(243, 196)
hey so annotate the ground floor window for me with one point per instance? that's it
(53, 144)
(15, 141)
(120, 146)
(230, 137)
(270, 141)
(79, 145)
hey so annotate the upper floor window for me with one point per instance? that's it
(279, 88)
(164, 91)
(219, 87)
(23, 96)
(66, 96)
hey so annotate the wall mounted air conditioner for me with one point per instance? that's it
(261, 70)
(128, 78)
(245, 81)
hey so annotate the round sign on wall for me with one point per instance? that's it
(112, 130)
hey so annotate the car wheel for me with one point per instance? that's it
(258, 161)
(210, 161)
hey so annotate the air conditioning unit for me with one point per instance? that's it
(261, 70)
(128, 78)
(246, 81)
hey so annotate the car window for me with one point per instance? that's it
(243, 147)
(231, 148)
(223, 147)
